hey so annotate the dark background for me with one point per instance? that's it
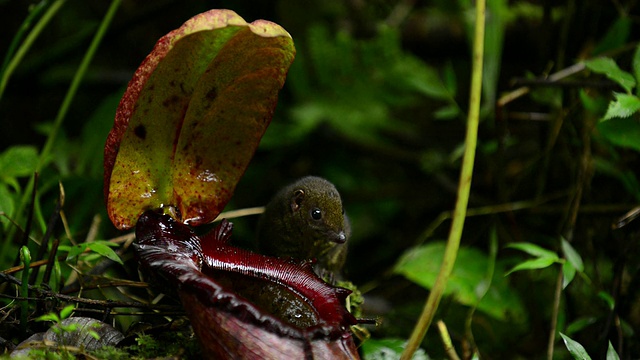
(396, 180)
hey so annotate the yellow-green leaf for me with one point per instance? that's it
(576, 350)
(192, 116)
(533, 250)
(534, 264)
(609, 68)
(467, 283)
(623, 106)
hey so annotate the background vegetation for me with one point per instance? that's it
(376, 102)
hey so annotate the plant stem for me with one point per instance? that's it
(464, 186)
(25, 256)
(446, 341)
(77, 79)
(554, 316)
(10, 65)
(73, 88)
(232, 214)
(482, 291)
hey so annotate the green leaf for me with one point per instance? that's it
(450, 82)
(448, 112)
(548, 96)
(494, 42)
(608, 67)
(595, 104)
(611, 303)
(66, 311)
(73, 251)
(624, 132)
(485, 285)
(56, 276)
(623, 106)
(94, 334)
(103, 249)
(575, 349)
(611, 353)
(424, 79)
(7, 203)
(627, 177)
(18, 161)
(580, 324)
(49, 317)
(534, 264)
(68, 327)
(635, 66)
(572, 255)
(192, 117)
(568, 273)
(533, 250)
(388, 349)
(467, 282)
(616, 36)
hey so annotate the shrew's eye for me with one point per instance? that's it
(316, 214)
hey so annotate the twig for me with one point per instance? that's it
(529, 116)
(519, 92)
(124, 238)
(34, 264)
(446, 341)
(73, 284)
(548, 82)
(482, 291)
(487, 210)
(27, 227)
(93, 229)
(28, 41)
(554, 316)
(240, 213)
(625, 219)
(400, 12)
(464, 186)
(34, 13)
(51, 261)
(176, 312)
(73, 87)
(103, 303)
(585, 209)
(44, 243)
(8, 70)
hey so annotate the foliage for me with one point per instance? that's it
(571, 263)
(355, 86)
(58, 326)
(578, 352)
(387, 349)
(467, 282)
(618, 125)
(169, 344)
(374, 102)
(100, 247)
(112, 353)
(16, 162)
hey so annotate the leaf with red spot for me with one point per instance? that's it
(193, 115)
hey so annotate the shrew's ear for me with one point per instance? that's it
(296, 200)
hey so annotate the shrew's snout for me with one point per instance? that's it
(340, 238)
